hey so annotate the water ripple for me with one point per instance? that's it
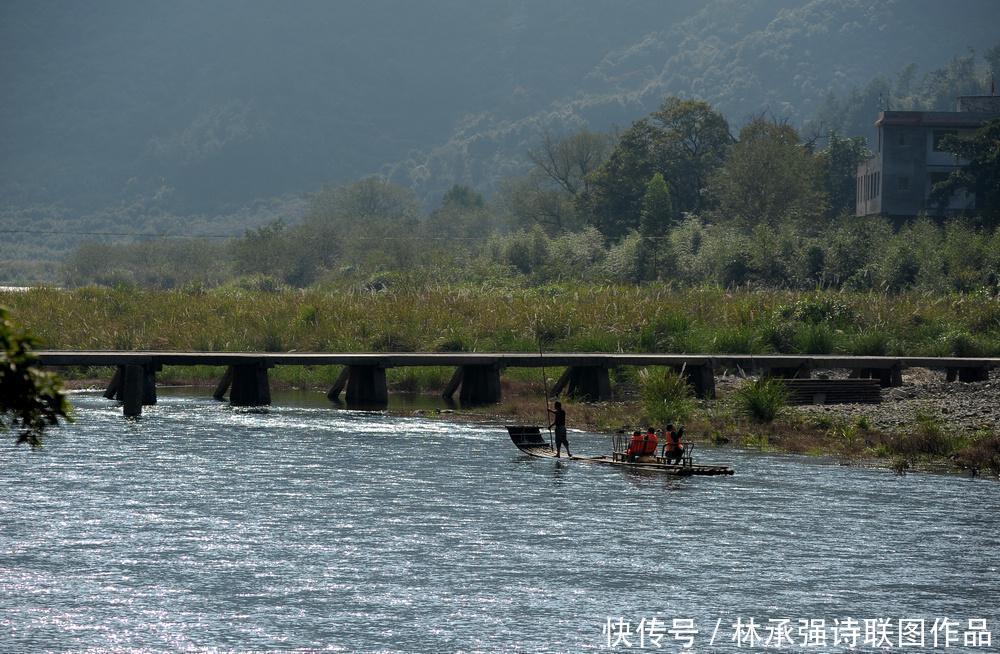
(201, 527)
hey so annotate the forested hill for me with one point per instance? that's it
(190, 107)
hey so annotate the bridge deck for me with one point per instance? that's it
(499, 359)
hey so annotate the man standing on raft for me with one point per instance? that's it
(559, 422)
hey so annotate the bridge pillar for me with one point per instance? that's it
(149, 385)
(589, 383)
(223, 386)
(887, 377)
(561, 383)
(454, 383)
(126, 389)
(701, 378)
(480, 385)
(114, 390)
(366, 387)
(249, 386)
(803, 371)
(338, 386)
(132, 390)
(968, 374)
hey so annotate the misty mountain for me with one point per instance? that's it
(188, 107)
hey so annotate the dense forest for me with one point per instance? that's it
(465, 125)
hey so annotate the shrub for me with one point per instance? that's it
(814, 339)
(757, 441)
(926, 437)
(663, 333)
(983, 452)
(666, 396)
(962, 344)
(780, 336)
(761, 399)
(740, 340)
(816, 310)
(871, 344)
(393, 342)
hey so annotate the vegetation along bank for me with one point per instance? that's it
(932, 423)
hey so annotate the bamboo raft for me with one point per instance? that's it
(528, 439)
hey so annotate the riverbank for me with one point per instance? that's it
(926, 421)
(924, 425)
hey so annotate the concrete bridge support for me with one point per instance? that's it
(134, 386)
(366, 387)
(338, 386)
(480, 384)
(701, 378)
(590, 384)
(587, 383)
(247, 385)
(803, 371)
(887, 377)
(968, 375)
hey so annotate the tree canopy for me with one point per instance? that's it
(981, 176)
(684, 141)
(30, 399)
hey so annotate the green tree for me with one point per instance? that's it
(769, 178)
(696, 141)
(533, 200)
(685, 141)
(657, 208)
(369, 219)
(839, 169)
(30, 400)
(463, 214)
(981, 176)
(293, 255)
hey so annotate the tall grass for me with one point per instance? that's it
(571, 317)
(666, 396)
(761, 399)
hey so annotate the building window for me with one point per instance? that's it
(902, 183)
(939, 134)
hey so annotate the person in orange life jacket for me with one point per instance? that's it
(636, 446)
(651, 441)
(559, 422)
(673, 449)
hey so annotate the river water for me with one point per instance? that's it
(202, 528)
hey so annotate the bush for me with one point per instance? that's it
(926, 437)
(666, 396)
(962, 344)
(761, 399)
(780, 336)
(870, 344)
(814, 339)
(816, 310)
(740, 340)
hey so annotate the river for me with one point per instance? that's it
(202, 528)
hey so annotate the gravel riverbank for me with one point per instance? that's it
(958, 406)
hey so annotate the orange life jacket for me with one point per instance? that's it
(651, 441)
(673, 443)
(636, 446)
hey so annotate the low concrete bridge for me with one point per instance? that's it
(477, 375)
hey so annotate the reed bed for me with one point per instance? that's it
(569, 318)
